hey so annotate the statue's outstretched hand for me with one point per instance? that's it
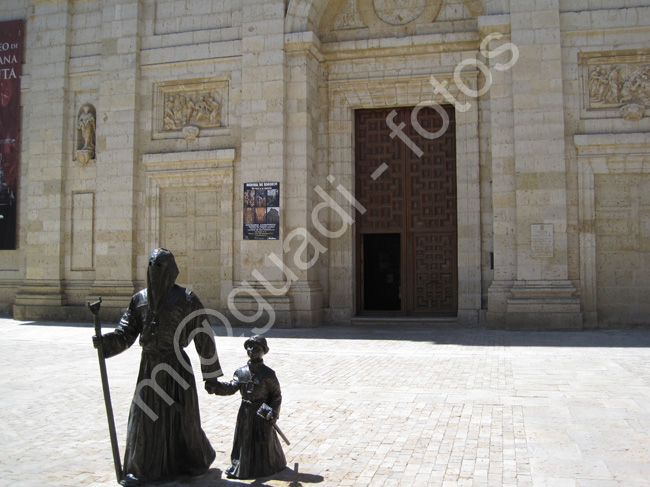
(212, 385)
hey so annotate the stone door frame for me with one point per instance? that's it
(197, 169)
(601, 154)
(345, 97)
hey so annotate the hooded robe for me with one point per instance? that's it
(165, 439)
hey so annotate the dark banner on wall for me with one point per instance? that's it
(261, 211)
(11, 49)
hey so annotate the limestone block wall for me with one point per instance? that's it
(190, 100)
(122, 59)
(622, 231)
(605, 143)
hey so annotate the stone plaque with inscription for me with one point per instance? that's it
(541, 240)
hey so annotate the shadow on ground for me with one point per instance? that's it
(439, 333)
(215, 478)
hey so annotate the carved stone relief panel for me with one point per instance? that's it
(191, 108)
(617, 80)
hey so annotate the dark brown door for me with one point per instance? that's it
(407, 238)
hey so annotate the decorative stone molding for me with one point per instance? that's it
(361, 92)
(426, 44)
(201, 104)
(615, 80)
(193, 168)
(310, 15)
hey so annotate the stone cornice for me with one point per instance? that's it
(590, 145)
(189, 161)
(303, 42)
(401, 46)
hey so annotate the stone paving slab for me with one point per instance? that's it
(372, 405)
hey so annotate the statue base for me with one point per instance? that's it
(84, 156)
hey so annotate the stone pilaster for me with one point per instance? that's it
(117, 153)
(262, 149)
(303, 110)
(542, 296)
(43, 230)
(503, 171)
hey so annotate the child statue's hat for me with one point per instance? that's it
(260, 340)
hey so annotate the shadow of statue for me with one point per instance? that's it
(215, 478)
(296, 478)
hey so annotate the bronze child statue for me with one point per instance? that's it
(256, 450)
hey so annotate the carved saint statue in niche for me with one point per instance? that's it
(86, 126)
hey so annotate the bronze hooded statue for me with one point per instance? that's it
(164, 434)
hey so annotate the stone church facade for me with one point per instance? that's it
(465, 160)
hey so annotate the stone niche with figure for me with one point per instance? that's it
(86, 133)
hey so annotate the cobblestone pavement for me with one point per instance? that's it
(409, 405)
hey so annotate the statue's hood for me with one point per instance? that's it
(161, 277)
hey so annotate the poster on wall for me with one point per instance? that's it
(11, 48)
(261, 211)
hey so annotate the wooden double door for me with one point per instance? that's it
(407, 239)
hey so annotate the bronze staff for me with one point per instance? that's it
(94, 309)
